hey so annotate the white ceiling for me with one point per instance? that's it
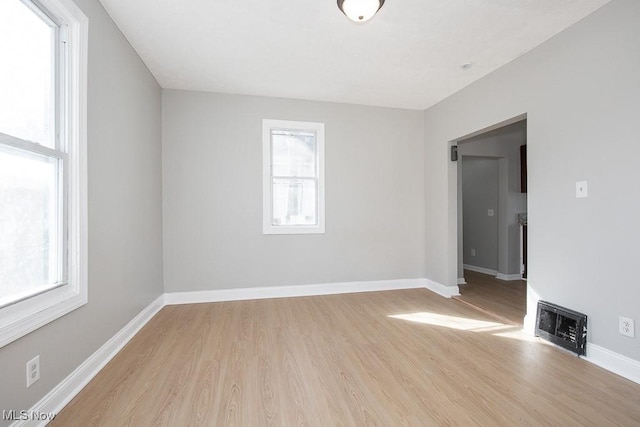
(407, 56)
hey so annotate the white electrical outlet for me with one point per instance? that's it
(490, 212)
(626, 327)
(33, 370)
(473, 252)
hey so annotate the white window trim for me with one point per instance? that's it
(19, 319)
(267, 226)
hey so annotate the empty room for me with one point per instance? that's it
(319, 212)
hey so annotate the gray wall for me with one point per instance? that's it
(125, 221)
(391, 200)
(580, 92)
(479, 194)
(212, 202)
(504, 144)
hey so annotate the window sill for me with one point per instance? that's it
(24, 317)
(269, 229)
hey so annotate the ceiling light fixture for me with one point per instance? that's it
(360, 10)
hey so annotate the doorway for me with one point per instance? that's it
(480, 213)
(492, 210)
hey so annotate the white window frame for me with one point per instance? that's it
(23, 317)
(267, 177)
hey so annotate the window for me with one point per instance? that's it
(293, 177)
(42, 163)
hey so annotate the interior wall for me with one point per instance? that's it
(125, 220)
(212, 172)
(479, 195)
(503, 143)
(579, 91)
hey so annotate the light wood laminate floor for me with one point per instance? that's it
(393, 358)
(507, 300)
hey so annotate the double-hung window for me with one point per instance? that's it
(42, 163)
(293, 177)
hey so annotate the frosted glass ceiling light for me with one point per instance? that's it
(360, 10)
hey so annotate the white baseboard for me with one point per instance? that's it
(614, 362)
(529, 324)
(240, 294)
(461, 281)
(442, 290)
(498, 275)
(62, 394)
(508, 277)
(480, 269)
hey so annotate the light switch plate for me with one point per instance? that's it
(581, 189)
(490, 212)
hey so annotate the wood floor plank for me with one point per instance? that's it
(507, 299)
(399, 358)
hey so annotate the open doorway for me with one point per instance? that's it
(492, 215)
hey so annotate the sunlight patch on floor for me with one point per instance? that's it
(453, 322)
(467, 324)
(518, 334)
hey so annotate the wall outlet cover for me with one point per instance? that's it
(626, 327)
(33, 370)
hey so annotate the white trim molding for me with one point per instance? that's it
(529, 324)
(240, 294)
(61, 395)
(480, 269)
(496, 274)
(442, 290)
(461, 281)
(613, 362)
(508, 277)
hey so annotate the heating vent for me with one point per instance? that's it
(561, 326)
